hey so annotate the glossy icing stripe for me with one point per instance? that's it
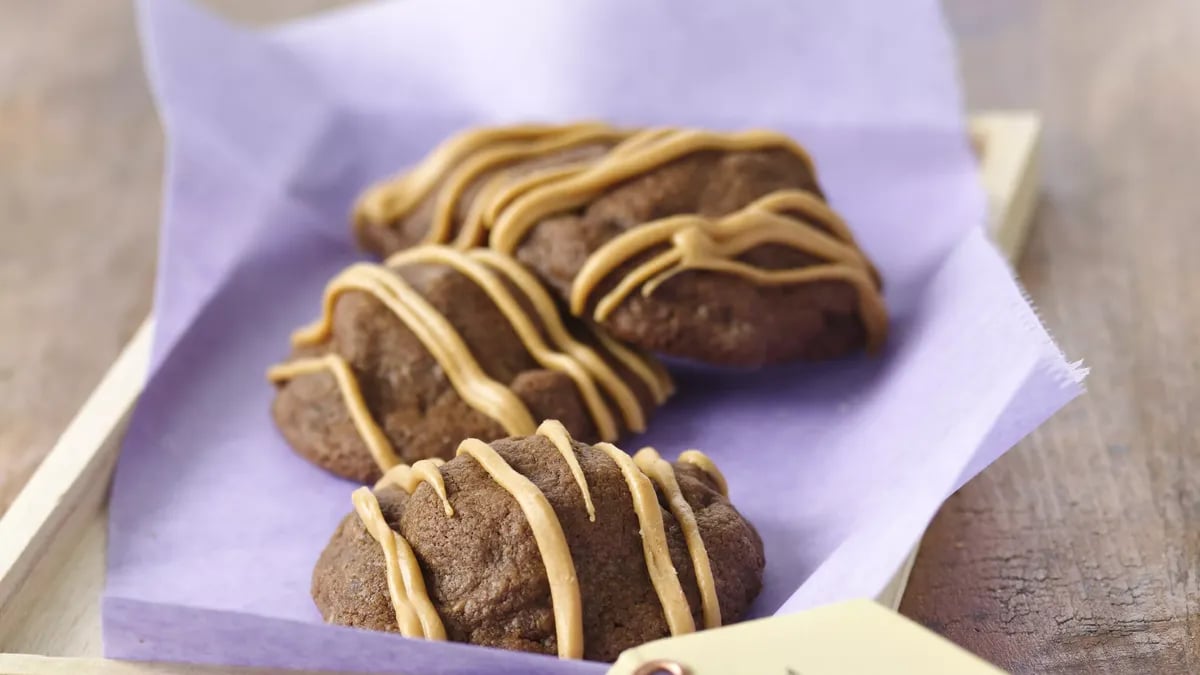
(663, 474)
(570, 192)
(700, 243)
(437, 335)
(557, 433)
(654, 543)
(400, 474)
(642, 366)
(649, 369)
(423, 471)
(524, 327)
(704, 463)
(415, 613)
(505, 195)
(551, 543)
(498, 156)
(696, 237)
(372, 436)
(393, 198)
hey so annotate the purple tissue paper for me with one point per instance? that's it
(215, 524)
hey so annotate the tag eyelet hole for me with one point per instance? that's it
(661, 667)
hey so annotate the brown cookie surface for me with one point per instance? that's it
(399, 377)
(487, 578)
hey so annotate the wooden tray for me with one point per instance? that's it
(52, 539)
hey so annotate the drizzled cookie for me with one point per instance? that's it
(711, 246)
(436, 345)
(542, 544)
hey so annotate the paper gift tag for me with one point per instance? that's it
(850, 638)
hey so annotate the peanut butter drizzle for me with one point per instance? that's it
(409, 477)
(504, 195)
(643, 139)
(640, 153)
(373, 437)
(400, 475)
(662, 572)
(663, 474)
(700, 243)
(701, 461)
(415, 613)
(551, 543)
(434, 332)
(500, 196)
(582, 373)
(557, 433)
(646, 368)
(384, 202)
(450, 194)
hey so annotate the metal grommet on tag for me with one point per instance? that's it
(662, 667)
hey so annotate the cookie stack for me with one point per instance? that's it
(532, 273)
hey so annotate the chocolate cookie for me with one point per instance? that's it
(543, 544)
(438, 345)
(717, 247)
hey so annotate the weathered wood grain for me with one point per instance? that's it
(80, 169)
(1080, 550)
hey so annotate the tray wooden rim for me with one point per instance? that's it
(60, 515)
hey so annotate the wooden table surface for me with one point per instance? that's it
(1079, 551)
